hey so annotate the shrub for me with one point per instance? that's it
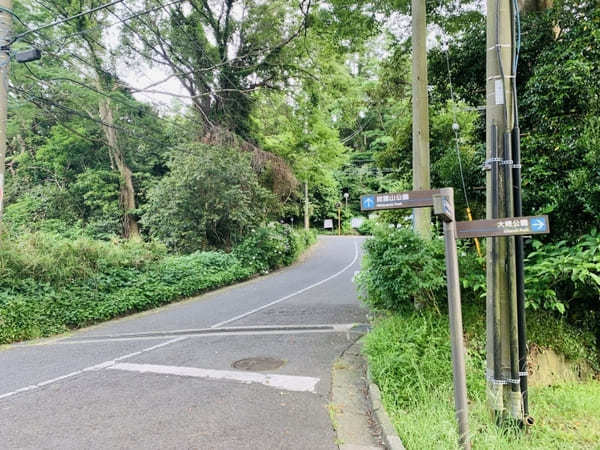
(49, 284)
(400, 268)
(211, 198)
(273, 246)
(46, 257)
(561, 274)
(366, 228)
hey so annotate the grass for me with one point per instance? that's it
(50, 284)
(409, 358)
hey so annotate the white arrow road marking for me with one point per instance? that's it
(285, 382)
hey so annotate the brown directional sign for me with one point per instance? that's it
(397, 200)
(513, 226)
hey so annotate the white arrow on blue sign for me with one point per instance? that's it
(538, 224)
(368, 202)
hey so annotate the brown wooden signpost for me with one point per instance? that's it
(398, 200)
(442, 201)
(513, 226)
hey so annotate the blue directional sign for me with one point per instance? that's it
(368, 202)
(538, 224)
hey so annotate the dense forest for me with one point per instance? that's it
(103, 128)
(185, 125)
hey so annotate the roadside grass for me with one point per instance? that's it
(409, 358)
(50, 284)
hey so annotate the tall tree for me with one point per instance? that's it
(220, 51)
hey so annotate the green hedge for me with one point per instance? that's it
(49, 284)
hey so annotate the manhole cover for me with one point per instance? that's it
(258, 363)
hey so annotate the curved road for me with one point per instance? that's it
(172, 377)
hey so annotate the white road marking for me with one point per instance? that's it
(293, 294)
(100, 366)
(285, 382)
(333, 328)
(268, 381)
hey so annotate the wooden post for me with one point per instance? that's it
(443, 205)
(420, 119)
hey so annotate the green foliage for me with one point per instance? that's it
(210, 198)
(410, 353)
(99, 192)
(49, 258)
(559, 275)
(410, 359)
(367, 227)
(472, 273)
(273, 246)
(557, 83)
(50, 284)
(400, 268)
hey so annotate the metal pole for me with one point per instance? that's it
(501, 295)
(339, 220)
(515, 394)
(456, 327)
(494, 312)
(420, 111)
(519, 256)
(5, 31)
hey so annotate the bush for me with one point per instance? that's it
(46, 257)
(561, 274)
(50, 284)
(366, 228)
(273, 246)
(211, 198)
(400, 268)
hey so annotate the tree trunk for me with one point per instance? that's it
(127, 194)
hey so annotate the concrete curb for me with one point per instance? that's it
(389, 435)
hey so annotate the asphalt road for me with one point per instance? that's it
(171, 378)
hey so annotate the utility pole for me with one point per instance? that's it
(338, 205)
(503, 385)
(5, 31)
(420, 112)
(306, 210)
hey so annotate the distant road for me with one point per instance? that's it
(245, 367)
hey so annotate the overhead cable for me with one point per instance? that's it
(64, 20)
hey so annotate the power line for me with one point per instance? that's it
(120, 21)
(455, 125)
(137, 108)
(95, 67)
(70, 110)
(65, 20)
